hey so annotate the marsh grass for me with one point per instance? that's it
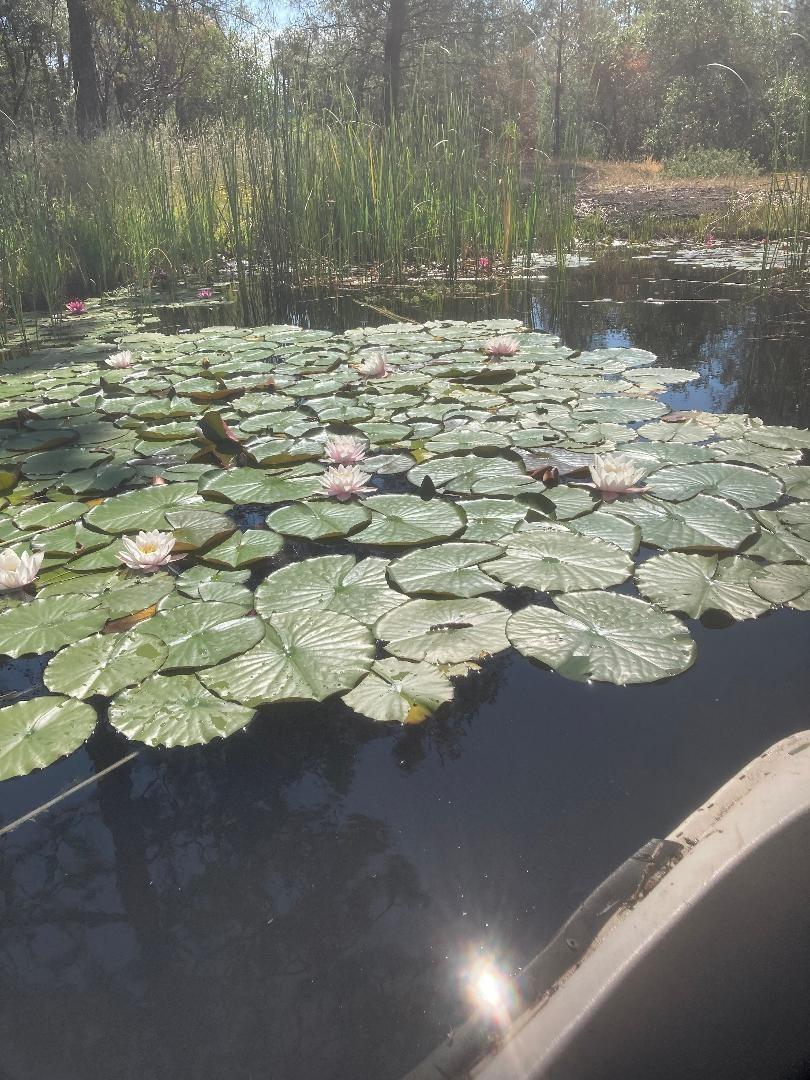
(286, 194)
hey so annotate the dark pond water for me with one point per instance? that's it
(303, 900)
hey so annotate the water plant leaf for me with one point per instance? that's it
(490, 519)
(445, 570)
(304, 656)
(746, 487)
(399, 692)
(104, 664)
(702, 523)
(245, 548)
(330, 583)
(142, 510)
(605, 637)
(559, 561)
(604, 526)
(784, 583)
(196, 528)
(695, 584)
(319, 520)
(401, 520)
(444, 631)
(199, 634)
(246, 485)
(37, 732)
(47, 624)
(176, 710)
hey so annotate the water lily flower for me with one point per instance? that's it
(501, 346)
(483, 263)
(205, 294)
(344, 450)
(75, 307)
(374, 366)
(148, 551)
(17, 571)
(345, 481)
(119, 359)
(615, 475)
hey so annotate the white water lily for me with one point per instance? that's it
(148, 551)
(119, 359)
(501, 346)
(17, 571)
(344, 481)
(613, 475)
(344, 449)
(374, 366)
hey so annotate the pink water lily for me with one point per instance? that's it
(119, 359)
(343, 482)
(501, 346)
(17, 571)
(374, 366)
(344, 450)
(75, 307)
(205, 294)
(483, 263)
(148, 551)
(614, 475)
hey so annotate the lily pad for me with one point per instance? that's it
(605, 637)
(321, 520)
(245, 548)
(175, 710)
(784, 583)
(695, 584)
(398, 692)
(200, 634)
(560, 561)
(142, 510)
(330, 583)
(47, 624)
(746, 487)
(444, 631)
(304, 656)
(445, 570)
(104, 664)
(703, 523)
(242, 486)
(37, 732)
(402, 520)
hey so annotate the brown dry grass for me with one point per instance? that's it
(604, 176)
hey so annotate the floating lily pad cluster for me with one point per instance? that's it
(482, 532)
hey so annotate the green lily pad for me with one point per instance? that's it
(104, 664)
(245, 548)
(695, 584)
(490, 519)
(144, 509)
(244, 485)
(199, 634)
(605, 637)
(445, 570)
(746, 487)
(398, 692)
(330, 583)
(444, 631)
(39, 731)
(321, 520)
(703, 523)
(785, 583)
(176, 710)
(47, 624)
(555, 560)
(304, 656)
(402, 520)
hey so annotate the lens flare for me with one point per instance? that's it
(490, 991)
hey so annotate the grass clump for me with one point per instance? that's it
(709, 162)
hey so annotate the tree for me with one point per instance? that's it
(89, 114)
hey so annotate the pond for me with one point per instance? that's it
(304, 898)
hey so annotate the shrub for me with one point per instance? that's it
(710, 161)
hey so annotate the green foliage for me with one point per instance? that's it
(700, 161)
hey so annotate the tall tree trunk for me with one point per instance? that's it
(558, 74)
(395, 26)
(89, 116)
